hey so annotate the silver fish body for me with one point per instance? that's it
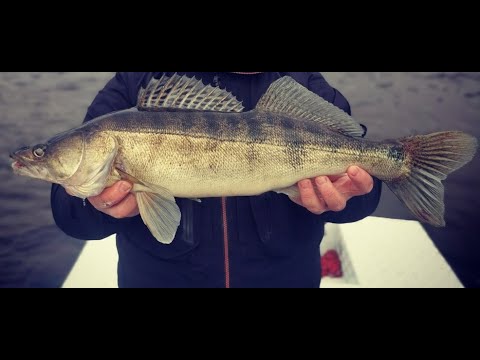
(212, 154)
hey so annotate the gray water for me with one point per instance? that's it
(34, 106)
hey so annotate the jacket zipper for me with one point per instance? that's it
(226, 255)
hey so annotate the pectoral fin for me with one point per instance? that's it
(159, 211)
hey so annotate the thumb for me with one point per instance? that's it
(112, 195)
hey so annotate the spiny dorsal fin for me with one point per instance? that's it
(182, 92)
(288, 97)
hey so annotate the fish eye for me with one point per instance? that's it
(39, 150)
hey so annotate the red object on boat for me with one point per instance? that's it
(331, 264)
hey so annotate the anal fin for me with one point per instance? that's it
(292, 192)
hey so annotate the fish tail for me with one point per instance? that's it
(430, 159)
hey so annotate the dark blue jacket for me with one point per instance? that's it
(270, 242)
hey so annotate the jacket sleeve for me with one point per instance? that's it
(69, 212)
(358, 207)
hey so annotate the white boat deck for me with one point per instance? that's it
(375, 253)
(387, 253)
(96, 266)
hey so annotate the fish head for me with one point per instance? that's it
(55, 161)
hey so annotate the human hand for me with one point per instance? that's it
(116, 201)
(331, 193)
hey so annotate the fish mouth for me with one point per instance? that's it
(25, 167)
(18, 162)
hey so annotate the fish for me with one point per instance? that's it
(187, 139)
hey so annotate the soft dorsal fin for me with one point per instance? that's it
(182, 92)
(288, 97)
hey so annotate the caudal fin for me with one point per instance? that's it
(431, 158)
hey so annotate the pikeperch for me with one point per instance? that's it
(186, 139)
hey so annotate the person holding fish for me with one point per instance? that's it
(268, 240)
(227, 179)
